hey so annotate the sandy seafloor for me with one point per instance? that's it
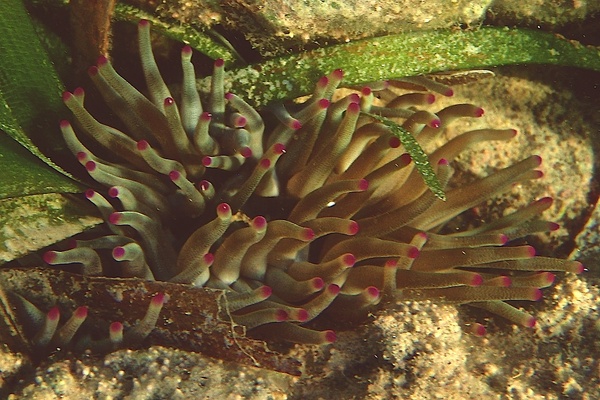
(422, 350)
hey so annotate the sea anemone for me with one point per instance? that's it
(302, 211)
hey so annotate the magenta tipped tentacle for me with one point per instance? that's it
(261, 317)
(191, 107)
(160, 252)
(237, 301)
(254, 263)
(194, 202)
(266, 163)
(115, 332)
(290, 289)
(229, 256)
(86, 256)
(134, 262)
(65, 333)
(199, 243)
(316, 306)
(48, 328)
(156, 86)
(156, 161)
(314, 175)
(148, 322)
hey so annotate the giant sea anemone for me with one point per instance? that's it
(306, 213)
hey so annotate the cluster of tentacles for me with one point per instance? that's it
(313, 209)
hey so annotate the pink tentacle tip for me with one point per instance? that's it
(113, 192)
(116, 327)
(449, 92)
(324, 103)
(478, 329)
(413, 252)
(206, 116)
(536, 294)
(281, 315)
(578, 268)
(223, 210)
(353, 108)
(186, 50)
(265, 163)
(308, 234)
(476, 280)
(66, 96)
(296, 125)
(349, 260)
(209, 259)
(333, 289)
(478, 112)
(158, 300)
(101, 61)
(174, 175)
(546, 201)
(204, 185)
(443, 161)
(405, 159)
(78, 92)
(81, 312)
(169, 101)
(53, 314)
(219, 62)
(430, 99)
(531, 251)
(435, 123)
(549, 278)
(422, 235)
(318, 283)
(207, 161)
(329, 336)
(505, 281)
(391, 264)
(338, 73)
(366, 91)
(90, 193)
(363, 185)
(81, 156)
(259, 222)
(553, 226)
(92, 71)
(49, 257)
(114, 218)
(265, 292)
(64, 124)
(142, 145)
(118, 252)
(372, 292)
(531, 322)
(279, 148)
(323, 81)
(90, 166)
(354, 98)
(144, 23)
(394, 142)
(228, 96)
(72, 243)
(246, 152)
(353, 228)
(503, 239)
(301, 315)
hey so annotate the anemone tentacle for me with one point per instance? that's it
(351, 221)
